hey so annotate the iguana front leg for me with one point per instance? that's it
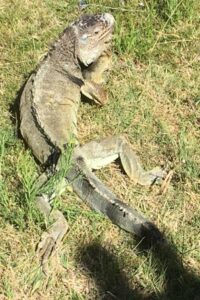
(94, 77)
(97, 71)
(99, 154)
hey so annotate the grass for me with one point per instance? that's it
(154, 100)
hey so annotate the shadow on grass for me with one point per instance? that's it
(14, 109)
(179, 282)
(112, 282)
(104, 268)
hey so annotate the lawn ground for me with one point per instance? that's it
(154, 100)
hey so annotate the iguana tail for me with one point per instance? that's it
(96, 195)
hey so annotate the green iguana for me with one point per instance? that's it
(49, 103)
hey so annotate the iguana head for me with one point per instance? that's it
(94, 34)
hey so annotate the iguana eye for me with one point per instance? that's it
(96, 31)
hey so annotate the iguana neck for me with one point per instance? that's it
(64, 53)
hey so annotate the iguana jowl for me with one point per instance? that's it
(48, 113)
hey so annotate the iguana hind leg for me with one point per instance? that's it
(54, 233)
(99, 154)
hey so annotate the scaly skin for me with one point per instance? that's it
(48, 110)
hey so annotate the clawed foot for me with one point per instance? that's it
(155, 176)
(95, 92)
(51, 238)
